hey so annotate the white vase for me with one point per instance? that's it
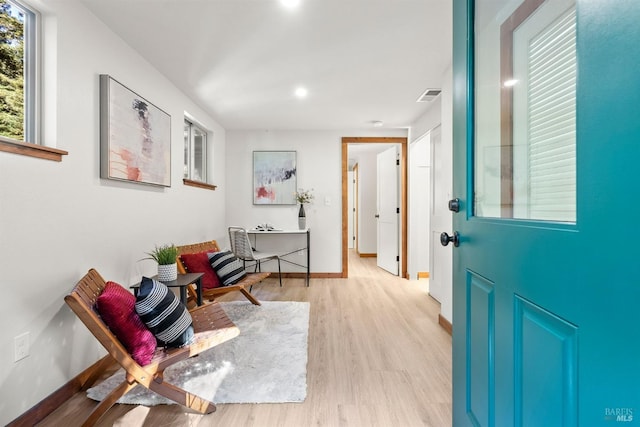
(167, 273)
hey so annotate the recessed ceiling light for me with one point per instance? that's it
(377, 123)
(301, 92)
(290, 3)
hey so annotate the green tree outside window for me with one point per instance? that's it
(11, 71)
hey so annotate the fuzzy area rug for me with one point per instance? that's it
(266, 363)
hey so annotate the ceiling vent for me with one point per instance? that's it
(429, 95)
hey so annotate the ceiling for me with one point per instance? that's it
(241, 60)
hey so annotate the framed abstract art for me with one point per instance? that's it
(274, 177)
(135, 136)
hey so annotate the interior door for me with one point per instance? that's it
(441, 186)
(388, 210)
(351, 208)
(545, 327)
(420, 199)
(356, 206)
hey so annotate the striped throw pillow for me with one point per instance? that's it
(163, 313)
(227, 266)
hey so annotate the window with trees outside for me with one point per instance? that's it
(195, 155)
(20, 81)
(18, 76)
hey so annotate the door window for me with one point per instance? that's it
(525, 138)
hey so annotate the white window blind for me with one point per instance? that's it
(552, 121)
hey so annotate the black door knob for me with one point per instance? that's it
(445, 239)
(454, 205)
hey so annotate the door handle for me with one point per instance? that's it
(454, 205)
(377, 216)
(445, 239)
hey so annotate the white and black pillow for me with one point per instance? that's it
(163, 313)
(227, 266)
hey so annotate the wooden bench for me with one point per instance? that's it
(212, 246)
(211, 326)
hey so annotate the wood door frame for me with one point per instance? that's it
(403, 196)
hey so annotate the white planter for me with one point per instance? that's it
(167, 273)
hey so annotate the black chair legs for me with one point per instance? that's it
(279, 272)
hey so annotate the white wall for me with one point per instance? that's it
(319, 162)
(57, 220)
(440, 113)
(430, 119)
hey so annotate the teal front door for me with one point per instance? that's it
(546, 300)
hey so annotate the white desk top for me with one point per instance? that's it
(277, 231)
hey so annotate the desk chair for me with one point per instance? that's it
(241, 247)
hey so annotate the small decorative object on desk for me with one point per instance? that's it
(302, 197)
(302, 218)
(166, 256)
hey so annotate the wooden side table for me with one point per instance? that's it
(181, 282)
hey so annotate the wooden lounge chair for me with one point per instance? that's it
(211, 326)
(212, 246)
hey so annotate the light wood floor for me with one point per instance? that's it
(377, 357)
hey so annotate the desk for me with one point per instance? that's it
(285, 234)
(181, 282)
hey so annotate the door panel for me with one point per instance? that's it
(545, 305)
(480, 329)
(388, 204)
(546, 367)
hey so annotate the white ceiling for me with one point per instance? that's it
(241, 60)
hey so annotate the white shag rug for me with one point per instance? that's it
(266, 363)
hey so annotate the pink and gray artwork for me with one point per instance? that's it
(274, 177)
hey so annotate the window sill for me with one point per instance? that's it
(198, 184)
(31, 150)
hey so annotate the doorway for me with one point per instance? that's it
(346, 141)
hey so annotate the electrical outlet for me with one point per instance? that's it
(21, 347)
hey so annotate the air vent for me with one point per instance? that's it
(429, 95)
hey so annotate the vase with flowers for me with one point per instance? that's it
(303, 197)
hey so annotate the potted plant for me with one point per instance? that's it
(166, 256)
(302, 197)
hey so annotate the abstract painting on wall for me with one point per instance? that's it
(135, 136)
(274, 177)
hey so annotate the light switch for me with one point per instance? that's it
(327, 201)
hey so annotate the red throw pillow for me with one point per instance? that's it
(116, 306)
(199, 263)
